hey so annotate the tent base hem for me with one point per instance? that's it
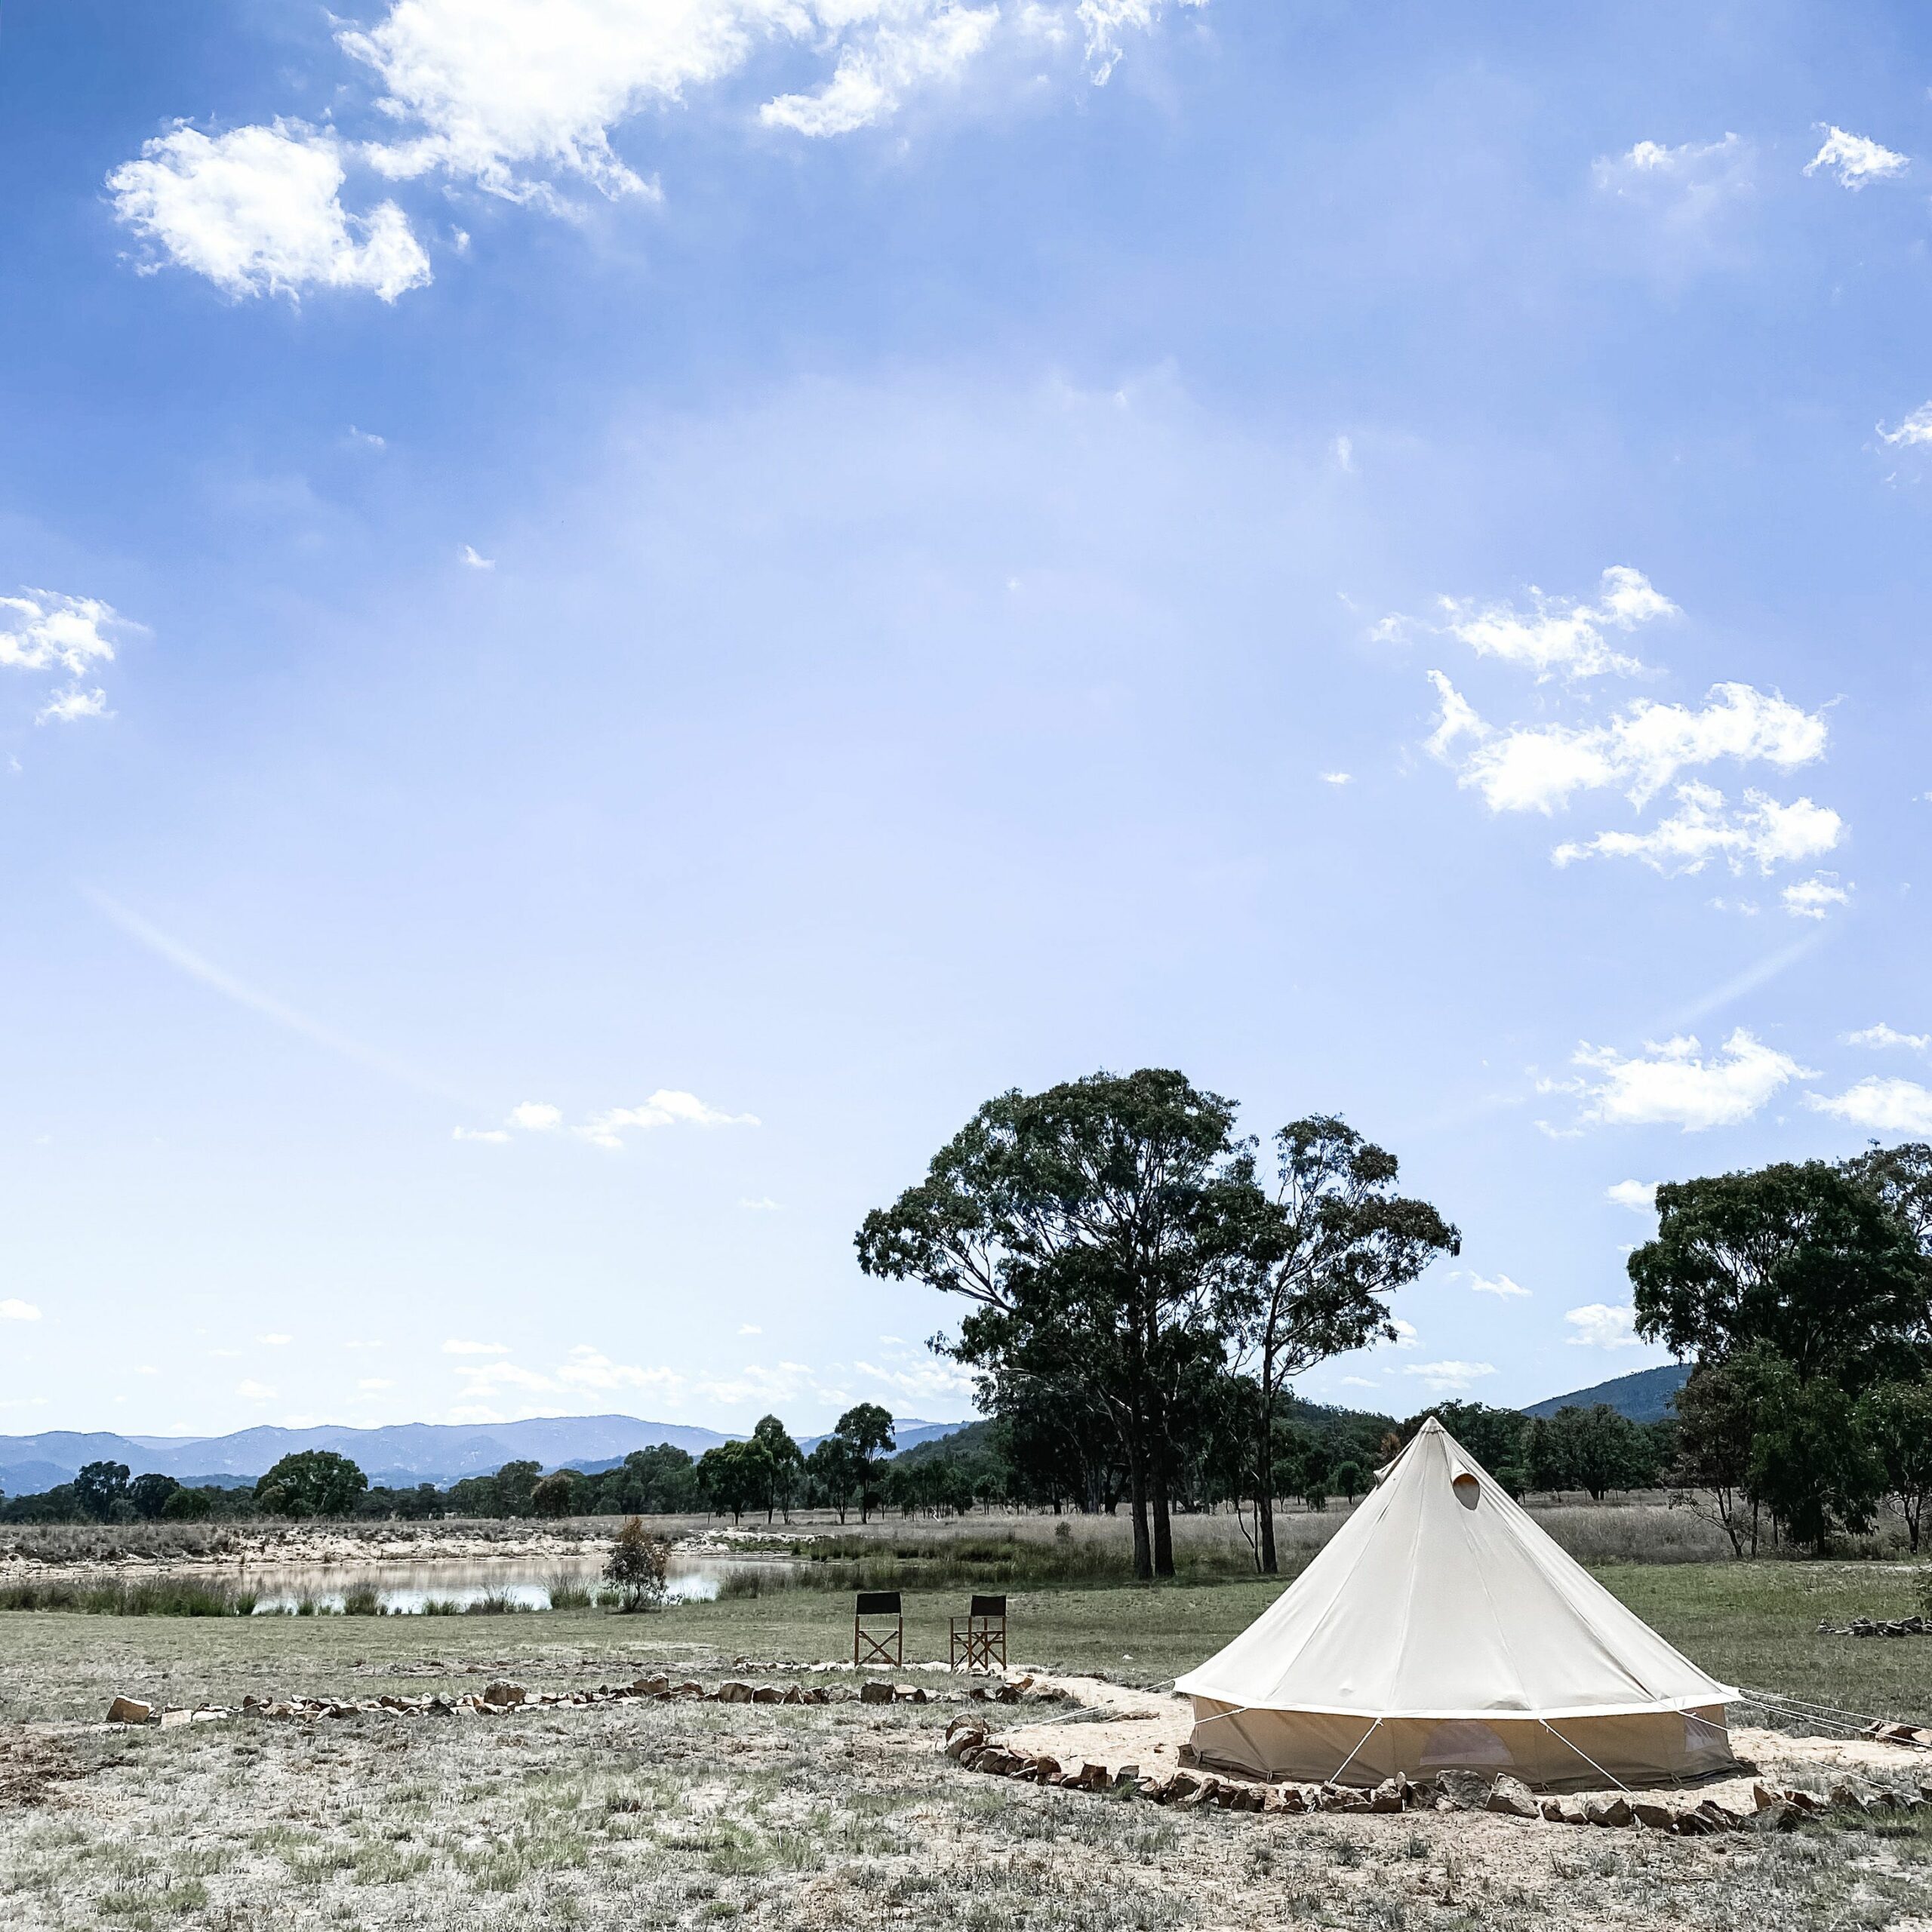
(1642, 1750)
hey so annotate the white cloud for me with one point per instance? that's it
(1916, 428)
(459, 1347)
(1813, 897)
(1337, 778)
(1444, 1377)
(45, 630)
(587, 1368)
(485, 1377)
(1359, 1382)
(499, 91)
(254, 1391)
(1405, 1332)
(509, 95)
(749, 1328)
(274, 1341)
(258, 211)
(1883, 1105)
(1106, 23)
(1639, 1196)
(1672, 1083)
(1553, 635)
(872, 79)
(667, 1107)
(14, 1310)
(475, 560)
(1639, 751)
(764, 1204)
(1761, 833)
(1855, 159)
(70, 706)
(1459, 720)
(373, 1385)
(1345, 454)
(367, 439)
(1686, 185)
(925, 1381)
(1882, 1036)
(1601, 1326)
(1499, 1285)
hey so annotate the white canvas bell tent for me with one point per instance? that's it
(1440, 1629)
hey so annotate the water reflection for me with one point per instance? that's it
(412, 1589)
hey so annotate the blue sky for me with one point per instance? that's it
(618, 611)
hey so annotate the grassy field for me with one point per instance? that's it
(657, 1815)
(1750, 1624)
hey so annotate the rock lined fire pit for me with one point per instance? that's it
(1773, 1808)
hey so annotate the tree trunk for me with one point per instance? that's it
(1158, 1484)
(1143, 1560)
(1264, 1473)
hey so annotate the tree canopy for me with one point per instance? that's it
(1803, 1257)
(1101, 1222)
(311, 1482)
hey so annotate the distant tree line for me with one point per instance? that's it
(767, 1474)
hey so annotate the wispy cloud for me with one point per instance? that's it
(1813, 897)
(1763, 834)
(13, 1310)
(1882, 1036)
(1552, 636)
(185, 960)
(455, 1347)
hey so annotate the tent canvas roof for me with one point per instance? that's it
(1439, 1598)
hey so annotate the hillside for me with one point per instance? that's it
(1644, 1396)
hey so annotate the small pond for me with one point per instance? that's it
(406, 1589)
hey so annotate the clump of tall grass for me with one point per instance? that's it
(568, 1592)
(498, 1602)
(440, 1607)
(145, 1596)
(362, 1600)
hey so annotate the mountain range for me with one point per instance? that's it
(406, 1453)
(400, 1455)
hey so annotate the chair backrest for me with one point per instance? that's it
(989, 1607)
(878, 1603)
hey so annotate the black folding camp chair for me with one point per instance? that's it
(979, 1636)
(881, 1645)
